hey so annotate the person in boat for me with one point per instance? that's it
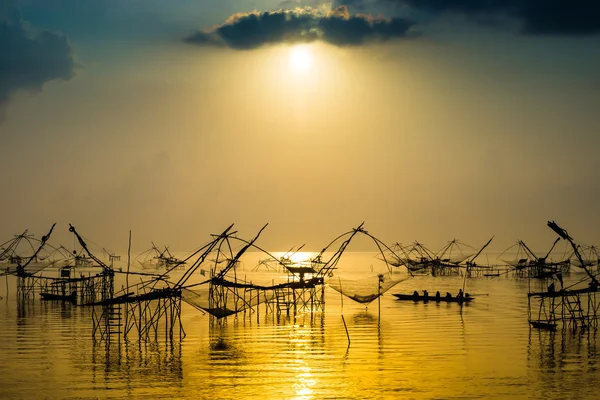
(437, 295)
(415, 294)
(425, 293)
(460, 294)
(467, 296)
(448, 295)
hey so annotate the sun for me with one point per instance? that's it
(300, 58)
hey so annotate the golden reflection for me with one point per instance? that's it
(301, 343)
(304, 382)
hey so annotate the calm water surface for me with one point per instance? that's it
(397, 350)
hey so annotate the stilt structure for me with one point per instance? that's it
(28, 286)
(27, 281)
(472, 269)
(29, 270)
(447, 261)
(368, 288)
(529, 265)
(227, 295)
(302, 291)
(573, 306)
(155, 258)
(152, 308)
(417, 258)
(98, 292)
(305, 287)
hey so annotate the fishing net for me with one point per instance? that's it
(228, 304)
(35, 267)
(517, 262)
(365, 290)
(31, 268)
(457, 259)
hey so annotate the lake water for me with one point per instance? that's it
(397, 349)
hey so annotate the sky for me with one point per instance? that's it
(429, 120)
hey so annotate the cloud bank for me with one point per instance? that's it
(301, 25)
(30, 57)
(538, 17)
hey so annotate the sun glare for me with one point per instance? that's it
(300, 58)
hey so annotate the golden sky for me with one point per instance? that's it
(175, 121)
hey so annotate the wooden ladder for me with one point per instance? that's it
(113, 317)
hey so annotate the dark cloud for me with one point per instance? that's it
(301, 25)
(538, 17)
(30, 57)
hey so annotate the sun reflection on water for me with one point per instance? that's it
(302, 339)
(305, 381)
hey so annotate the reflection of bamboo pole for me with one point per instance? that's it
(127, 283)
(343, 320)
(379, 280)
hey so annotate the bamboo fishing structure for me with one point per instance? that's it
(574, 306)
(527, 264)
(212, 282)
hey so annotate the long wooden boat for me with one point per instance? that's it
(543, 325)
(453, 299)
(59, 297)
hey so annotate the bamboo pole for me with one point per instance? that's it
(342, 311)
(127, 285)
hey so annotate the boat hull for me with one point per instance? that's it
(550, 326)
(58, 297)
(441, 299)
